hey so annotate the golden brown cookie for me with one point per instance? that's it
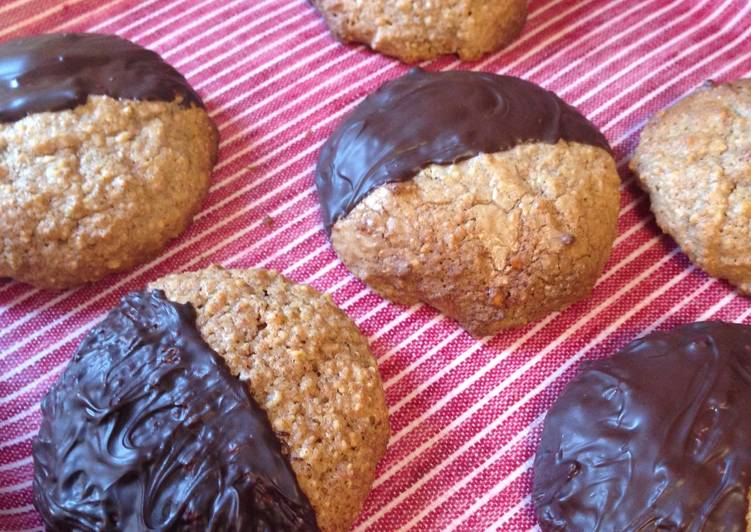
(424, 29)
(484, 196)
(105, 155)
(694, 160)
(310, 369)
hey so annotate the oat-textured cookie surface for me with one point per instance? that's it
(694, 160)
(99, 188)
(309, 367)
(495, 241)
(424, 29)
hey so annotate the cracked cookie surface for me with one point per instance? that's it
(99, 188)
(495, 241)
(424, 29)
(309, 368)
(694, 160)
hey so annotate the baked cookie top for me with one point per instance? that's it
(654, 437)
(416, 30)
(105, 155)
(694, 160)
(309, 368)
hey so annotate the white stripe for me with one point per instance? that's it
(257, 51)
(297, 120)
(663, 66)
(640, 59)
(213, 29)
(17, 510)
(400, 318)
(455, 488)
(16, 487)
(24, 414)
(39, 16)
(323, 271)
(515, 376)
(613, 39)
(15, 465)
(303, 60)
(556, 36)
(181, 14)
(639, 104)
(714, 309)
(743, 316)
(136, 7)
(498, 525)
(12, 5)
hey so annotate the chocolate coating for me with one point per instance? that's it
(59, 71)
(148, 430)
(657, 437)
(428, 118)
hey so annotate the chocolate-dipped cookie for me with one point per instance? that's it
(219, 400)
(484, 196)
(694, 160)
(105, 155)
(419, 30)
(652, 438)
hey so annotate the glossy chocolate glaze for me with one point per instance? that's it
(59, 71)
(427, 118)
(148, 430)
(657, 437)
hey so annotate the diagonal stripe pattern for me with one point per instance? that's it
(466, 414)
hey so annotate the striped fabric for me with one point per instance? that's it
(465, 414)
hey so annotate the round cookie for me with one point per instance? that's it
(694, 160)
(310, 369)
(105, 156)
(653, 438)
(424, 29)
(484, 196)
(221, 399)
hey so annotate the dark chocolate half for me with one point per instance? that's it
(59, 71)
(657, 437)
(428, 118)
(147, 429)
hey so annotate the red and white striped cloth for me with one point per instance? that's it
(465, 414)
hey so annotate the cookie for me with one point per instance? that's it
(274, 384)
(105, 156)
(652, 438)
(694, 160)
(484, 196)
(424, 29)
(147, 429)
